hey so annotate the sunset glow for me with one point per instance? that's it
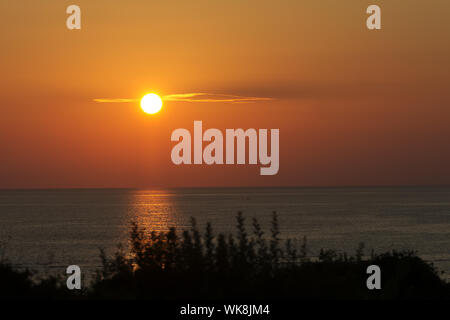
(339, 93)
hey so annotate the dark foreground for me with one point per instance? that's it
(198, 266)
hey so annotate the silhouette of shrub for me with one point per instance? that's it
(193, 265)
(20, 284)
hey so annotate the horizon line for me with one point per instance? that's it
(230, 187)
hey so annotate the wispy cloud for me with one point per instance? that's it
(211, 97)
(194, 97)
(117, 100)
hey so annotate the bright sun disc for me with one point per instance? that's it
(151, 103)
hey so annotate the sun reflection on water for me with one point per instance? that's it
(152, 209)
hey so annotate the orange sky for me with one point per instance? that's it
(354, 107)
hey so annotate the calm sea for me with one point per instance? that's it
(46, 230)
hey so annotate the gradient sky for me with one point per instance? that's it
(354, 107)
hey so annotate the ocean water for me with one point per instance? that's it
(46, 230)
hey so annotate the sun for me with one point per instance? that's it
(151, 103)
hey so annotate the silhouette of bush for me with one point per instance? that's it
(19, 284)
(194, 265)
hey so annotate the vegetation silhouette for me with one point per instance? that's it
(203, 266)
(194, 265)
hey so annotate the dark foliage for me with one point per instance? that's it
(17, 284)
(193, 265)
(199, 265)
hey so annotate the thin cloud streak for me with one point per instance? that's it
(194, 97)
(108, 100)
(210, 97)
